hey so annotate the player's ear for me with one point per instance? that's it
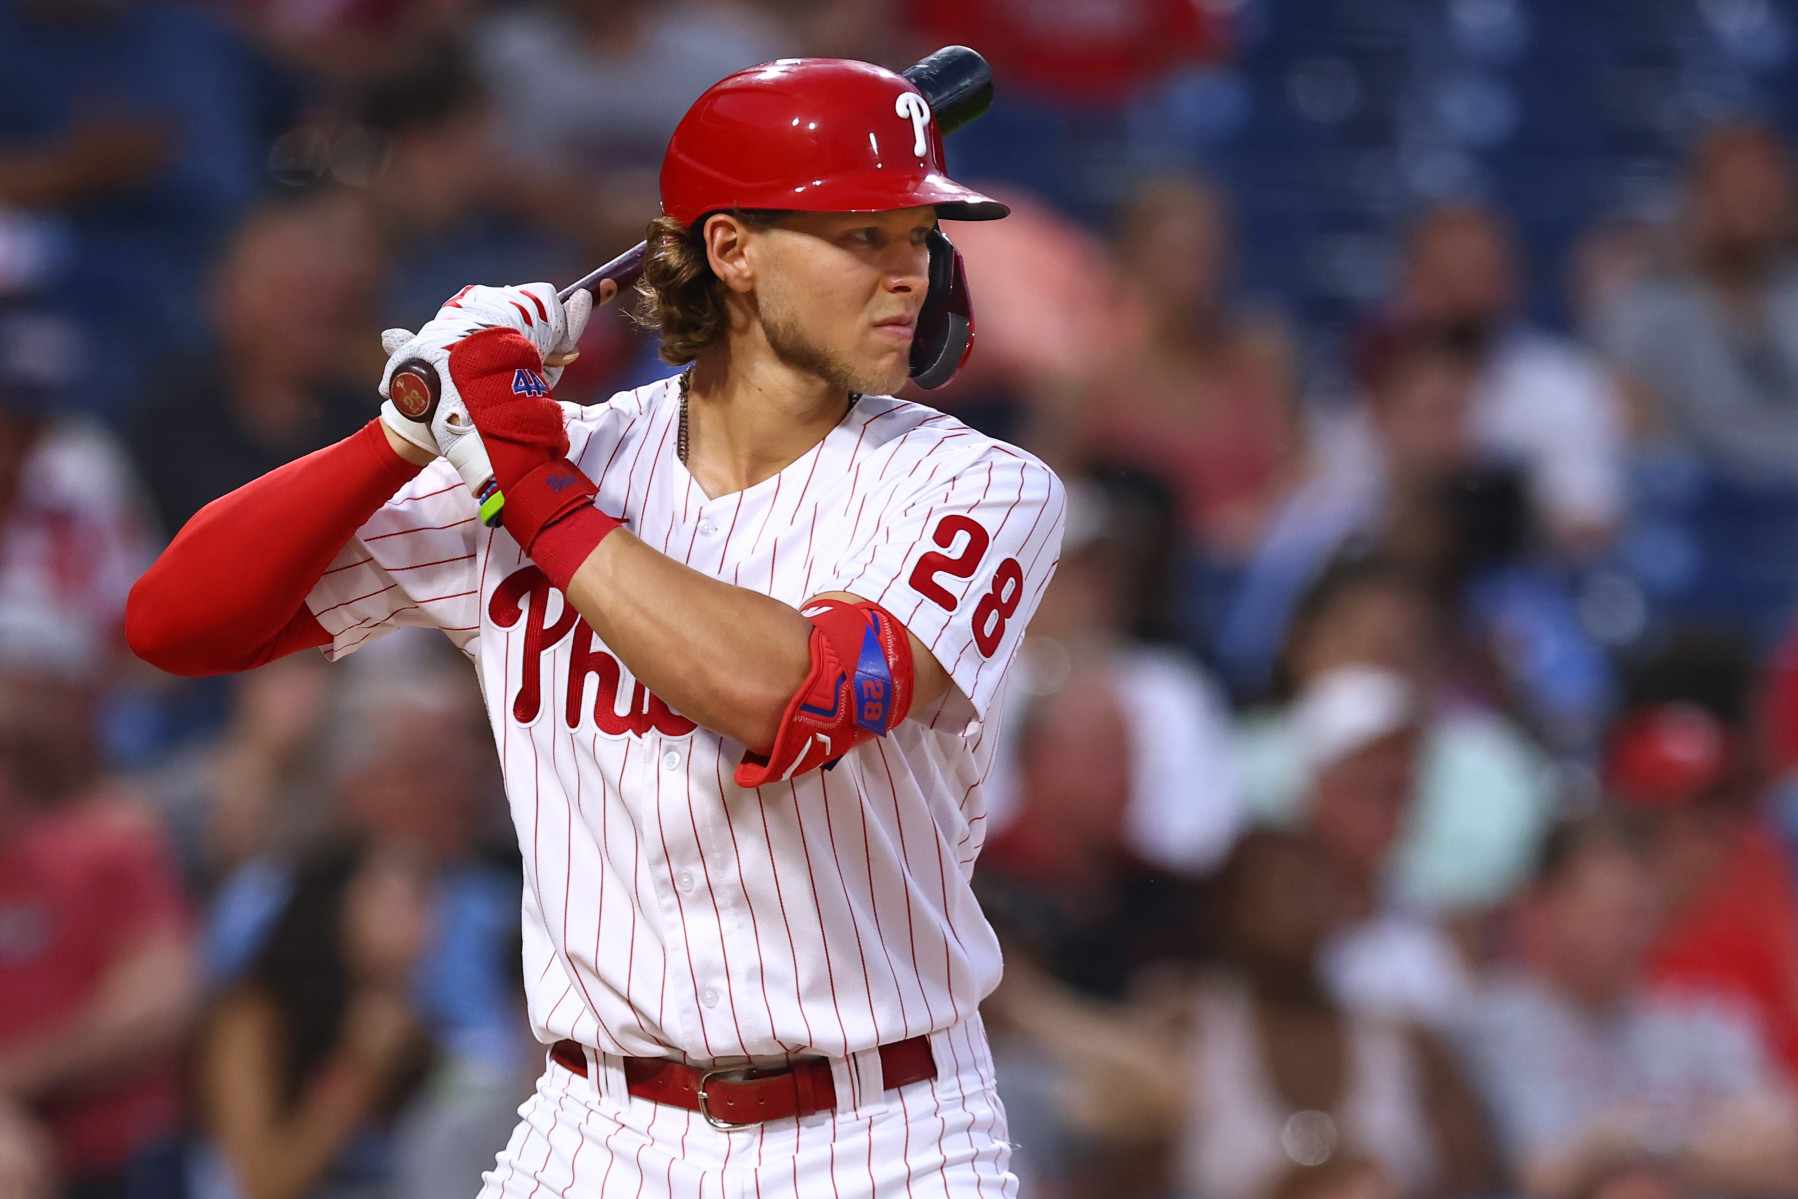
(727, 251)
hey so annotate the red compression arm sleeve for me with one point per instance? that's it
(229, 593)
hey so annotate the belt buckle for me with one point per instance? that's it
(700, 1093)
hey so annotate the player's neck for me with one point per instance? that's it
(750, 416)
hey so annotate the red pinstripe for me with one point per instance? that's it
(901, 520)
(549, 1148)
(874, 904)
(830, 973)
(911, 929)
(347, 566)
(755, 928)
(724, 546)
(574, 1160)
(630, 477)
(454, 524)
(705, 867)
(780, 895)
(356, 599)
(599, 914)
(425, 495)
(654, 1114)
(680, 909)
(855, 924)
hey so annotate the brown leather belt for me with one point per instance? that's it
(732, 1096)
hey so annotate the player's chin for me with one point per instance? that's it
(885, 371)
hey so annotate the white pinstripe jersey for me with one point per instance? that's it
(668, 912)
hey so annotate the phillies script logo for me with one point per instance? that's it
(525, 596)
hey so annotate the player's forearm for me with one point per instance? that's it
(722, 656)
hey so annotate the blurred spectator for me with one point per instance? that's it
(1585, 1071)
(1636, 1179)
(97, 978)
(1731, 924)
(294, 299)
(1079, 910)
(1255, 1069)
(1341, 1177)
(1092, 93)
(450, 205)
(1712, 345)
(144, 125)
(1481, 796)
(1207, 399)
(1073, 52)
(340, 44)
(1183, 805)
(1402, 473)
(602, 83)
(75, 537)
(1060, 881)
(1610, 260)
(1537, 400)
(1280, 1074)
(1357, 734)
(437, 802)
(303, 1065)
(257, 789)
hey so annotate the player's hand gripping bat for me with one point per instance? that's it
(955, 81)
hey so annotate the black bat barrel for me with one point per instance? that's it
(957, 83)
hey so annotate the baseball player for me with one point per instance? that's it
(743, 636)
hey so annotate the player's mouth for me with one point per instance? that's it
(899, 328)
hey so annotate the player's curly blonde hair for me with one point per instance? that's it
(679, 295)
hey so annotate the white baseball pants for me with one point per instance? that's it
(588, 1138)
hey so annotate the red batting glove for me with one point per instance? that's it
(548, 499)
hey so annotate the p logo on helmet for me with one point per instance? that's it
(913, 108)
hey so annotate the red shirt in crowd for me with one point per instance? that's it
(80, 889)
(1740, 941)
(1096, 50)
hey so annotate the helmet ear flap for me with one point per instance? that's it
(945, 333)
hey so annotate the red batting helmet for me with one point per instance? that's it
(816, 135)
(831, 135)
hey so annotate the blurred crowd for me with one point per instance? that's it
(1399, 792)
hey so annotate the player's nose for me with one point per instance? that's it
(909, 271)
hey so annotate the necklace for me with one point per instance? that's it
(680, 436)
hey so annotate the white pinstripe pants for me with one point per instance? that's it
(587, 1138)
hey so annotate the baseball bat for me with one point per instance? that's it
(955, 81)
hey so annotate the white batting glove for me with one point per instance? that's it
(448, 430)
(549, 324)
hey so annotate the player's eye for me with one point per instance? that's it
(867, 236)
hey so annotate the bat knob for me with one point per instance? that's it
(415, 389)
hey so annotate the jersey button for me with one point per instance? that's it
(671, 760)
(684, 881)
(707, 528)
(709, 997)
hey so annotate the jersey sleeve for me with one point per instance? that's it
(962, 561)
(413, 563)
